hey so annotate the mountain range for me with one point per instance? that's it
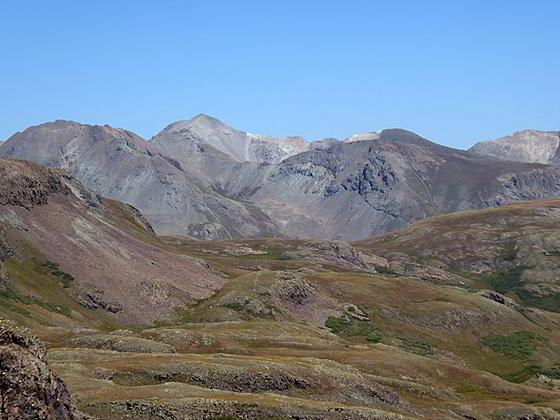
(204, 179)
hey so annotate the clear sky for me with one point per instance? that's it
(454, 71)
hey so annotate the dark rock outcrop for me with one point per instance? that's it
(499, 298)
(339, 250)
(92, 298)
(29, 389)
(27, 184)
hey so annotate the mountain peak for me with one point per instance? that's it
(206, 121)
(204, 118)
(201, 121)
(239, 145)
(532, 146)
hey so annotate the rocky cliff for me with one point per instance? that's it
(358, 189)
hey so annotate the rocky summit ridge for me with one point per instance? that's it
(204, 179)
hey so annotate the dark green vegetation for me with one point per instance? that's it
(346, 326)
(519, 345)
(553, 372)
(51, 265)
(417, 346)
(510, 281)
(65, 278)
(507, 280)
(238, 307)
(8, 297)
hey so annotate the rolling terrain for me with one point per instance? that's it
(455, 317)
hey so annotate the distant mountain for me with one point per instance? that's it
(524, 146)
(207, 180)
(239, 145)
(121, 165)
(358, 189)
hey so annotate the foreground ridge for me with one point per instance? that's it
(30, 390)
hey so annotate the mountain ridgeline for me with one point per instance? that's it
(204, 179)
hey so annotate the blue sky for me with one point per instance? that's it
(453, 71)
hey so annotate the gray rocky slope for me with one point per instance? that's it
(523, 146)
(241, 146)
(205, 179)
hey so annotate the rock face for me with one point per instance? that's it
(92, 298)
(523, 146)
(28, 185)
(29, 389)
(359, 189)
(204, 179)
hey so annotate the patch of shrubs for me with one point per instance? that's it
(6, 304)
(242, 307)
(65, 278)
(509, 281)
(519, 345)
(351, 327)
(51, 265)
(509, 252)
(7, 295)
(553, 372)
(235, 306)
(527, 372)
(385, 271)
(417, 346)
